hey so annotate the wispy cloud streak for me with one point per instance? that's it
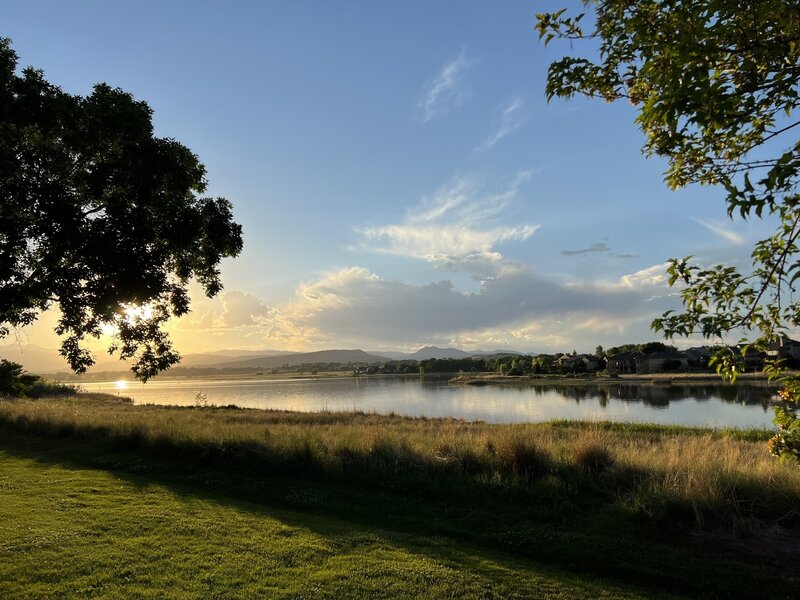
(511, 119)
(603, 248)
(725, 232)
(457, 228)
(447, 90)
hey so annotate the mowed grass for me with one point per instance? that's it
(71, 531)
(99, 497)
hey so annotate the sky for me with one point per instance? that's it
(400, 176)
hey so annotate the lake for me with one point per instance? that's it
(746, 405)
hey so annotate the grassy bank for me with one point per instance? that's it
(630, 509)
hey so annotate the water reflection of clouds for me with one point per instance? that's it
(740, 406)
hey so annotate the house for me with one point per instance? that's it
(624, 362)
(658, 362)
(578, 362)
(698, 357)
(784, 347)
(753, 359)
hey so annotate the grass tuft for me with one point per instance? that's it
(591, 454)
(521, 456)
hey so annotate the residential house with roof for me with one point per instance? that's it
(578, 362)
(784, 347)
(659, 362)
(622, 363)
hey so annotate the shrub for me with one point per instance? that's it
(592, 457)
(522, 458)
(16, 382)
(466, 459)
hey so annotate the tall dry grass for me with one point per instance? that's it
(666, 474)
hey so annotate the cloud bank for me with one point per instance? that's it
(518, 308)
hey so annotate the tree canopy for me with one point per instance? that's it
(101, 219)
(716, 85)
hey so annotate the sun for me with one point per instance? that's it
(133, 312)
(130, 314)
(121, 384)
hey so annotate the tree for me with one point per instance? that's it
(715, 83)
(653, 347)
(16, 382)
(100, 218)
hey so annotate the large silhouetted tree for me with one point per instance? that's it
(716, 85)
(100, 219)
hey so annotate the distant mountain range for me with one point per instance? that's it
(299, 358)
(44, 360)
(34, 358)
(436, 352)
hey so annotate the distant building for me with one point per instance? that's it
(698, 357)
(622, 363)
(753, 359)
(636, 362)
(784, 347)
(578, 362)
(658, 362)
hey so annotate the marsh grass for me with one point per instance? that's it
(703, 478)
(591, 452)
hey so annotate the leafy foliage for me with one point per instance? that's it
(15, 382)
(100, 218)
(646, 348)
(717, 87)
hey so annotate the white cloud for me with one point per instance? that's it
(722, 229)
(517, 308)
(454, 229)
(655, 276)
(510, 119)
(447, 90)
(447, 246)
(241, 309)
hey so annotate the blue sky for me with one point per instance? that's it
(399, 174)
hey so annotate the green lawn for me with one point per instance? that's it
(72, 530)
(100, 499)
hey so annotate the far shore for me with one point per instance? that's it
(656, 378)
(486, 378)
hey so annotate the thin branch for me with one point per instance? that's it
(771, 135)
(93, 211)
(780, 262)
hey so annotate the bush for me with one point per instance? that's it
(16, 382)
(592, 457)
(523, 458)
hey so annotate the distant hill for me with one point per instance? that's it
(48, 360)
(242, 354)
(223, 357)
(299, 358)
(34, 358)
(436, 352)
(504, 353)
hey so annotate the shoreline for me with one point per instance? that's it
(652, 378)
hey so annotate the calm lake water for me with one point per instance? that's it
(431, 396)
